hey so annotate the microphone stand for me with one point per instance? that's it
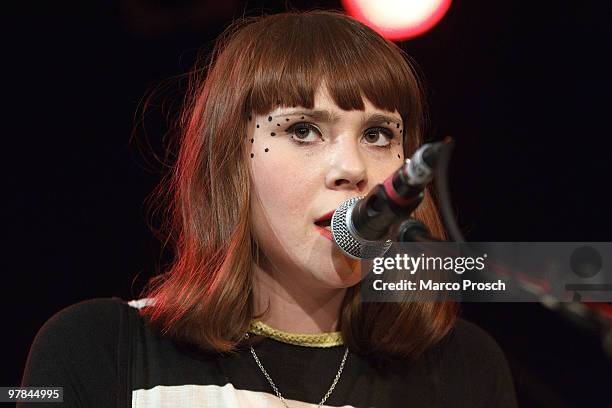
(414, 230)
(587, 316)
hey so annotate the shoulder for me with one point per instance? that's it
(473, 341)
(81, 327)
(97, 318)
(83, 334)
(96, 309)
(474, 367)
(79, 348)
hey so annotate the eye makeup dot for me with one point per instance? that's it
(272, 134)
(398, 156)
(252, 155)
(287, 119)
(266, 150)
(278, 124)
(397, 125)
(252, 140)
(257, 126)
(250, 118)
(269, 118)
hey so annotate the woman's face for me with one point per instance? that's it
(303, 165)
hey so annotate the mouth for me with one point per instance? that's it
(324, 224)
(325, 220)
(324, 228)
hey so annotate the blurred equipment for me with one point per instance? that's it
(398, 19)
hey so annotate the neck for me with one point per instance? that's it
(295, 306)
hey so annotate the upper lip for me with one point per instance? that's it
(326, 216)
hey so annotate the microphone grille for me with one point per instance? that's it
(347, 238)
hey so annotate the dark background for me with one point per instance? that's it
(523, 87)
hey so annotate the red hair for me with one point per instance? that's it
(204, 299)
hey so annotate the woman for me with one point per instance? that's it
(296, 113)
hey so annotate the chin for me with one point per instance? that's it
(340, 274)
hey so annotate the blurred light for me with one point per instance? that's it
(398, 19)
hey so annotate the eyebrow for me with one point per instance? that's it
(327, 117)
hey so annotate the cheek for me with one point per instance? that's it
(382, 172)
(276, 177)
(281, 205)
(384, 168)
(283, 190)
(281, 171)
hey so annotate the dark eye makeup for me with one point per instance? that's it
(294, 133)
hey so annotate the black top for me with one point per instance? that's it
(104, 355)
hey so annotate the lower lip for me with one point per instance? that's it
(325, 232)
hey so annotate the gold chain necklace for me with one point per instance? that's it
(331, 339)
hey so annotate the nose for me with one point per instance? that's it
(347, 168)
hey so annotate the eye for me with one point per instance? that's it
(373, 136)
(302, 133)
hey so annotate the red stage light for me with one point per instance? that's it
(398, 19)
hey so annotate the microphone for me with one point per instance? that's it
(360, 224)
